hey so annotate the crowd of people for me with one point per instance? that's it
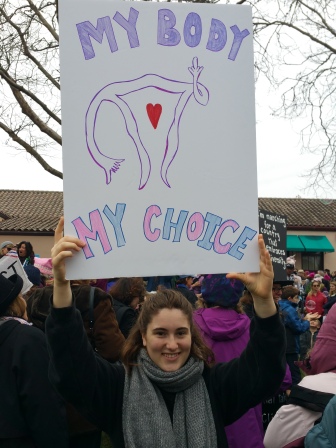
(180, 361)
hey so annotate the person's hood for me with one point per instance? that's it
(6, 328)
(323, 355)
(221, 324)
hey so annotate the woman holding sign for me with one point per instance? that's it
(166, 393)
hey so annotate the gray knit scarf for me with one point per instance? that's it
(146, 421)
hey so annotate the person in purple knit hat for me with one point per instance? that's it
(226, 330)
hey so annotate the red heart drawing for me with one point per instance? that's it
(154, 113)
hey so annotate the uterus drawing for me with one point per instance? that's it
(116, 93)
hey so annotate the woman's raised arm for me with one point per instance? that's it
(64, 247)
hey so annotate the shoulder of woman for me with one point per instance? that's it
(29, 340)
(31, 333)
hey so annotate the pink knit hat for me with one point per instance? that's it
(44, 265)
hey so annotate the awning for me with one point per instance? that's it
(305, 243)
(294, 244)
(316, 243)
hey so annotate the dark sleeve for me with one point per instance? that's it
(242, 383)
(127, 321)
(329, 303)
(91, 384)
(42, 407)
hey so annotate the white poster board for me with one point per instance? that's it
(158, 137)
(10, 265)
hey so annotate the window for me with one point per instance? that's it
(312, 261)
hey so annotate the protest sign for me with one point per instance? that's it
(273, 227)
(10, 265)
(159, 149)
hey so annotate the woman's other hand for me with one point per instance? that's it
(260, 283)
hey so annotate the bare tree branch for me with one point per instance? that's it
(26, 51)
(28, 148)
(15, 86)
(294, 49)
(45, 23)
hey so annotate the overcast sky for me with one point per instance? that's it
(280, 163)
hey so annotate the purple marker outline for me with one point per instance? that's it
(114, 92)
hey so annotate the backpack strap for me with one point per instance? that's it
(91, 308)
(120, 313)
(310, 399)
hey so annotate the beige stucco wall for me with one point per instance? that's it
(41, 244)
(329, 257)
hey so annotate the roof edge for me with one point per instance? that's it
(28, 232)
(312, 228)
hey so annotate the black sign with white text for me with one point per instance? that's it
(273, 227)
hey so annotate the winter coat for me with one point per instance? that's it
(331, 300)
(189, 295)
(32, 414)
(126, 317)
(314, 303)
(233, 387)
(291, 423)
(105, 336)
(227, 333)
(323, 435)
(294, 325)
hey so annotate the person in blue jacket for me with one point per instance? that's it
(295, 325)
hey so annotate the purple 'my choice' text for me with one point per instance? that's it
(209, 231)
(167, 32)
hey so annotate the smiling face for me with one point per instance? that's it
(332, 288)
(168, 339)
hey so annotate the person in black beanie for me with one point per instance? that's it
(32, 414)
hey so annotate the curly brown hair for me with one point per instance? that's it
(169, 299)
(127, 288)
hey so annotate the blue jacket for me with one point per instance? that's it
(294, 325)
(323, 435)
